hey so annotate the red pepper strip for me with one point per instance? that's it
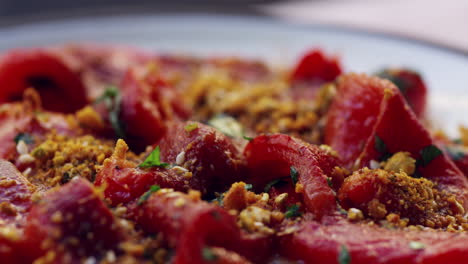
(315, 66)
(322, 243)
(270, 157)
(411, 85)
(191, 225)
(100, 65)
(140, 113)
(60, 88)
(124, 182)
(146, 108)
(400, 130)
(15, 194)
(353, 113)
(211, 156)
(367, 108)
(9, 250)
(75, 223)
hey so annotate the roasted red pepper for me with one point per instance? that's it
(270, 157)
(60, 88)
(370, 119)
(324, 242)
(315, 66)
(82, 224)
(209, 155)
(124, 182)
(411, 85)
(148, 105)
(193, 226)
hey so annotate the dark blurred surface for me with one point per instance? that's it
(20, 10)
(16, 12)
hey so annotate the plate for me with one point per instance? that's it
(277, 42)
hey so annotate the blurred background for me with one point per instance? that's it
(252, 30)
(442, 22)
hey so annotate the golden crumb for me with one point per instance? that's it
(355, 214)
(299, 188)
(58, 159)
(401, 162)
(88, 118)
(417, 201)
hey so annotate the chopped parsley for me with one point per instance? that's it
(416, 245)
(344, 257)
(342, 211)
(208, 254)
(293, 211)
(294, 174)
(190, 127)
(380, 145)
(27, 138)
(416, 175)
(153, 160)
(110, 93)
(111, 98)
(400, 83)
(429, 153)
(219, 198)
(65, 178)
(247, 138)
(271, 184)
(329, 182)
(248, 187)
(147, 194)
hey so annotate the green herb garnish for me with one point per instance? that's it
(380, 145)
(271, 184)
(247, 138)
(111, 98)
(219, 198)
(329, 182)
(248, 187)
(147, 194)
(416, 245)
(416, 175)
(154, 160)
(110, 93)
(344, 257)
(65, 178)
(190, 127)
(400, 83)
(429, 153)
(27, 138)
(294, 174)
(208, 254)
(292, 211)
(342, 211)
